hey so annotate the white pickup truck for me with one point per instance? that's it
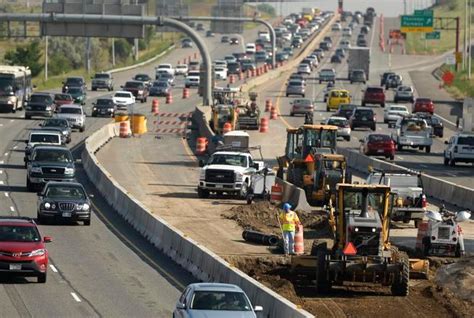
(40, 137)
(412, 132)
(410, 200)
(229, 169)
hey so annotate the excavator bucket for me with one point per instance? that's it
(419, 268)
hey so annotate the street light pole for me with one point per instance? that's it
(465, 36)
(469, 44)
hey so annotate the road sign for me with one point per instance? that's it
(416, 23)
(458, 56)
(450, 59)
(436, 35)
(428, 13)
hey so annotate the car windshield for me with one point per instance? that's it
(70, 110)
(356, 202)
(360, 113)
(337, 122)
(228, 159)
(413, 125)
(124, 95)
(164, 67)
(466, 140)
(398, 109)
(374, 90)
(347, 107)
(379, 138)
(74, 90)
(327, 72)
(423, 100)
(55, 123)
(102, 76)
(340, 94)
(133, 85)
(404, 89)
(295, 83)
(302, 102)
(40, 99)
(142, 77)
(19, 233)
(220, 300)
(74, 82)
(56, 155)
(62, 97)
(160, 84)
(104, 102)
(47, 138)
(65, 192)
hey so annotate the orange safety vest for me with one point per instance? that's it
(288, 221)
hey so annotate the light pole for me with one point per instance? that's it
(465, 35)
(469, 44)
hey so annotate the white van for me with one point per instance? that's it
(345, 44)
(264, 35)
(250, 48)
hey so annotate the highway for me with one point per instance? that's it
(106, 269)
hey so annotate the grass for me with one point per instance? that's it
(156, 47)
(416, 43)
(461, 86)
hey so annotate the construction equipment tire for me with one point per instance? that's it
(400, 285)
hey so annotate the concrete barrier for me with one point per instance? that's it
(294, 195)
(131, 67)
(202, 263)
(460, 196)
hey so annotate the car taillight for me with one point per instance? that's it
(423, 201)
(375, 118)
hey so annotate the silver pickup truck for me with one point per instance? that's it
(409, 202)
(412, 132)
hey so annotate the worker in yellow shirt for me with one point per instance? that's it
(288, 221)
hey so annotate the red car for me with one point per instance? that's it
(22, 249)
(378, 145)
(423, 105)
(63, 99)
(374, 95)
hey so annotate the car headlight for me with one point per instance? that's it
(202, 176)
(95, 108)
(47, 205)
(83, 207)
(140, 92)
(238, 177)
(38, 252)
(36, 170)
(69, 171)
(111, 109)
(48, 108)
(64, 132)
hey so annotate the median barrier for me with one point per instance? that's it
(436, 188)
(126, 68)
(294, 195)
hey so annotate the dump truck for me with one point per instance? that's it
(358, 58)
(359, 250)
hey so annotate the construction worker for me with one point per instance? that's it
(288, 221)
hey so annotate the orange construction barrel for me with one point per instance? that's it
(273, 113)
(422, 231)
(169, 98)
(201, 145)
(155, 106)
(227, 128)
(124, 131)
(263, 125)
(299, 241)
(277, 193)
(268, 105)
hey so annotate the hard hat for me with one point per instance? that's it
(287, 207)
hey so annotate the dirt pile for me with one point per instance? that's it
(262, 216)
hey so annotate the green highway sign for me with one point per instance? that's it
(416, 23)
(433, 35)
(428, 13)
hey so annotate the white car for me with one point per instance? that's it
(222, 63)
(220, 73)
(345, 44)
(181, 69)
(192, 80)
(230, 59)
(460, 148)
(304, 68)
(336, 27)
(287, 36)
(343, 126)
(250, 48)
(165, 66)
(123, 99)
(393, 112)
(74, 114)
(347, 32)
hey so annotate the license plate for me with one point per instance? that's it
(66, 214)
(219, 186)
(379, 150)
(364, 118)
(15, 267)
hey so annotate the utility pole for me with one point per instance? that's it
(469, 53)
(113, 51)
(88, 55)
(465, 35)
(46, 58)
(457, 41)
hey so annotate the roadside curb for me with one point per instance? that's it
(130, 67)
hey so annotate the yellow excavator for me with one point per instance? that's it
(310, 162)
(359, 250)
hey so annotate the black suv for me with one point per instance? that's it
(40, 104)
(363, 117)
(384, 77)
(49, 163)
(67, 201)
(59, 124)
(74, 82)
(104, 107)
(138, 89)
(435, 123)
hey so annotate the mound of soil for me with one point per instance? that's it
(262, 216)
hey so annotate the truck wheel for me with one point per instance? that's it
(81, 129)
(244, 190)
(417, 223)
(428, 149)
(426, 244)
(452, 163)
(383, 105)
(400, 285)
(42, 278)
(323, 285)
(203, 193)
(29, 186)
(363, 103)
(399, 147)
(446, 161)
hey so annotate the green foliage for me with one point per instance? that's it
(123, 49)
(266, 8)
(29, 55)
(59, 64)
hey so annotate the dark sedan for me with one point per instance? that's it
(104, 107)
(336, 58)
(40, 104)
(160, 88)
(59, 124)
(66, 201)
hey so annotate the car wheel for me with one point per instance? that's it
(373, 128)
(81, 129)
(302, 95)
(440, 135)
(452, 163)
(27, 117)
(363, 103)
(29, 186)
(291, 114)
(395, 100)
(383, 105)
(328, 109)
(93, 89)
(392, 157)
(244, 190)
(203, 193)
(428, 149)
(286, 95)
(42, 278)
(87, 222)
(320, 82)
(446, 161)
(348, 138)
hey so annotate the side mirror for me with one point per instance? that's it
(47, 239)
(201, 163)
(121, 86)
(258, 309)
(446, 142)
(180, 306)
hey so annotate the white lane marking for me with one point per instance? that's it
(451, 174)
(12, 209)
(76, 298)
(1, 171)
(1, 182)
(400, 157)
(53, 268)
(424, 166)
(12, 120)
(6, 194)
(14, 147)
(6, 153)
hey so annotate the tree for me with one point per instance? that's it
(29, 55)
